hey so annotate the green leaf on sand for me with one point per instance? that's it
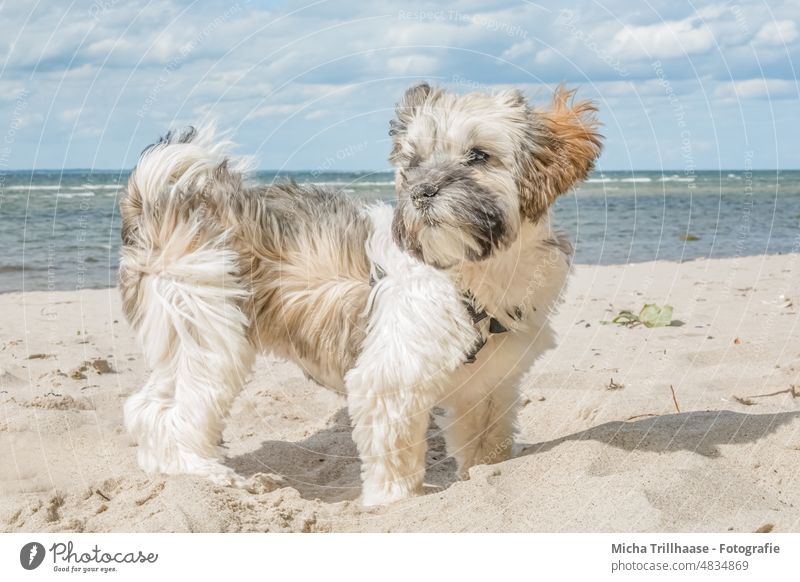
(651, 315)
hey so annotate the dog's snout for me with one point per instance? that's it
(426, 190)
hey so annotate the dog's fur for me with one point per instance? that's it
(214, 271)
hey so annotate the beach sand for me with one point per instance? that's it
(680, 440)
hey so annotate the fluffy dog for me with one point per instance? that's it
(442, 300)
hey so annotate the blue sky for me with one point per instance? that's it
(311, 85)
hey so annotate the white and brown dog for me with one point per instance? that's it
(442, 300)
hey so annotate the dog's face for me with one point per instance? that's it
(471, 168)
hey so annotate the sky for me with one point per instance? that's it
(680, 85)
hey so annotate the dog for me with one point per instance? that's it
(442, 300)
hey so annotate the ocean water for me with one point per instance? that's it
(60, 230)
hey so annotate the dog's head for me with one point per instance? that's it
(470, 168)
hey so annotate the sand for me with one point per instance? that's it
(622, 429)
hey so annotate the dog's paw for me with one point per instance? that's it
(227, 478)
(212, 470)
(384, 495)
(264, 483)
(221, 475)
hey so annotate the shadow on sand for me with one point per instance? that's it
(325, 466)
(699, 432)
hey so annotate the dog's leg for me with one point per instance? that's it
(390, 392)
(194, 339)
(479, 424)
(481, 410)
(410, 349)
(417, 333)
(178, 417)
(389, 430)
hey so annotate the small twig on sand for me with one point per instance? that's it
(675, 399)
(766, 528)
(646, 415)
(745, 401)
(614, 386)
(793, 390)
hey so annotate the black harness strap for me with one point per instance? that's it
(495, 327)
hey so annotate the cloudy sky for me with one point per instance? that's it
(311, 85)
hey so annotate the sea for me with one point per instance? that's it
(59, 230)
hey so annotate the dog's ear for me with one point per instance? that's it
(564, 146)
(405, 111)
(512, 98)
(412, 100)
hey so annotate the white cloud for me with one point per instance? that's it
(175, 63)
(31, 119)
(520, 49)
(777, 32)
(12, 90)
(548, 56)
(672, 38)
(317, 114)
(758, 88)
(412, 65)
(70, 115)
(273, 111)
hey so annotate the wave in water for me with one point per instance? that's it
(56, 187)
(640, 179)
(34, 187)
(352, 183)
(75, 194)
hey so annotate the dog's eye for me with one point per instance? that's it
(413, 162)
(476, 156)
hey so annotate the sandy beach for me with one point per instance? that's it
(693, 427)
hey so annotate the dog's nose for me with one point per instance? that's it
(426, 190)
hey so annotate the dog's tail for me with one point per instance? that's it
(180, 272)
(183, 170)
(172, 213)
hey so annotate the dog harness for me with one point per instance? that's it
(495, 327)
